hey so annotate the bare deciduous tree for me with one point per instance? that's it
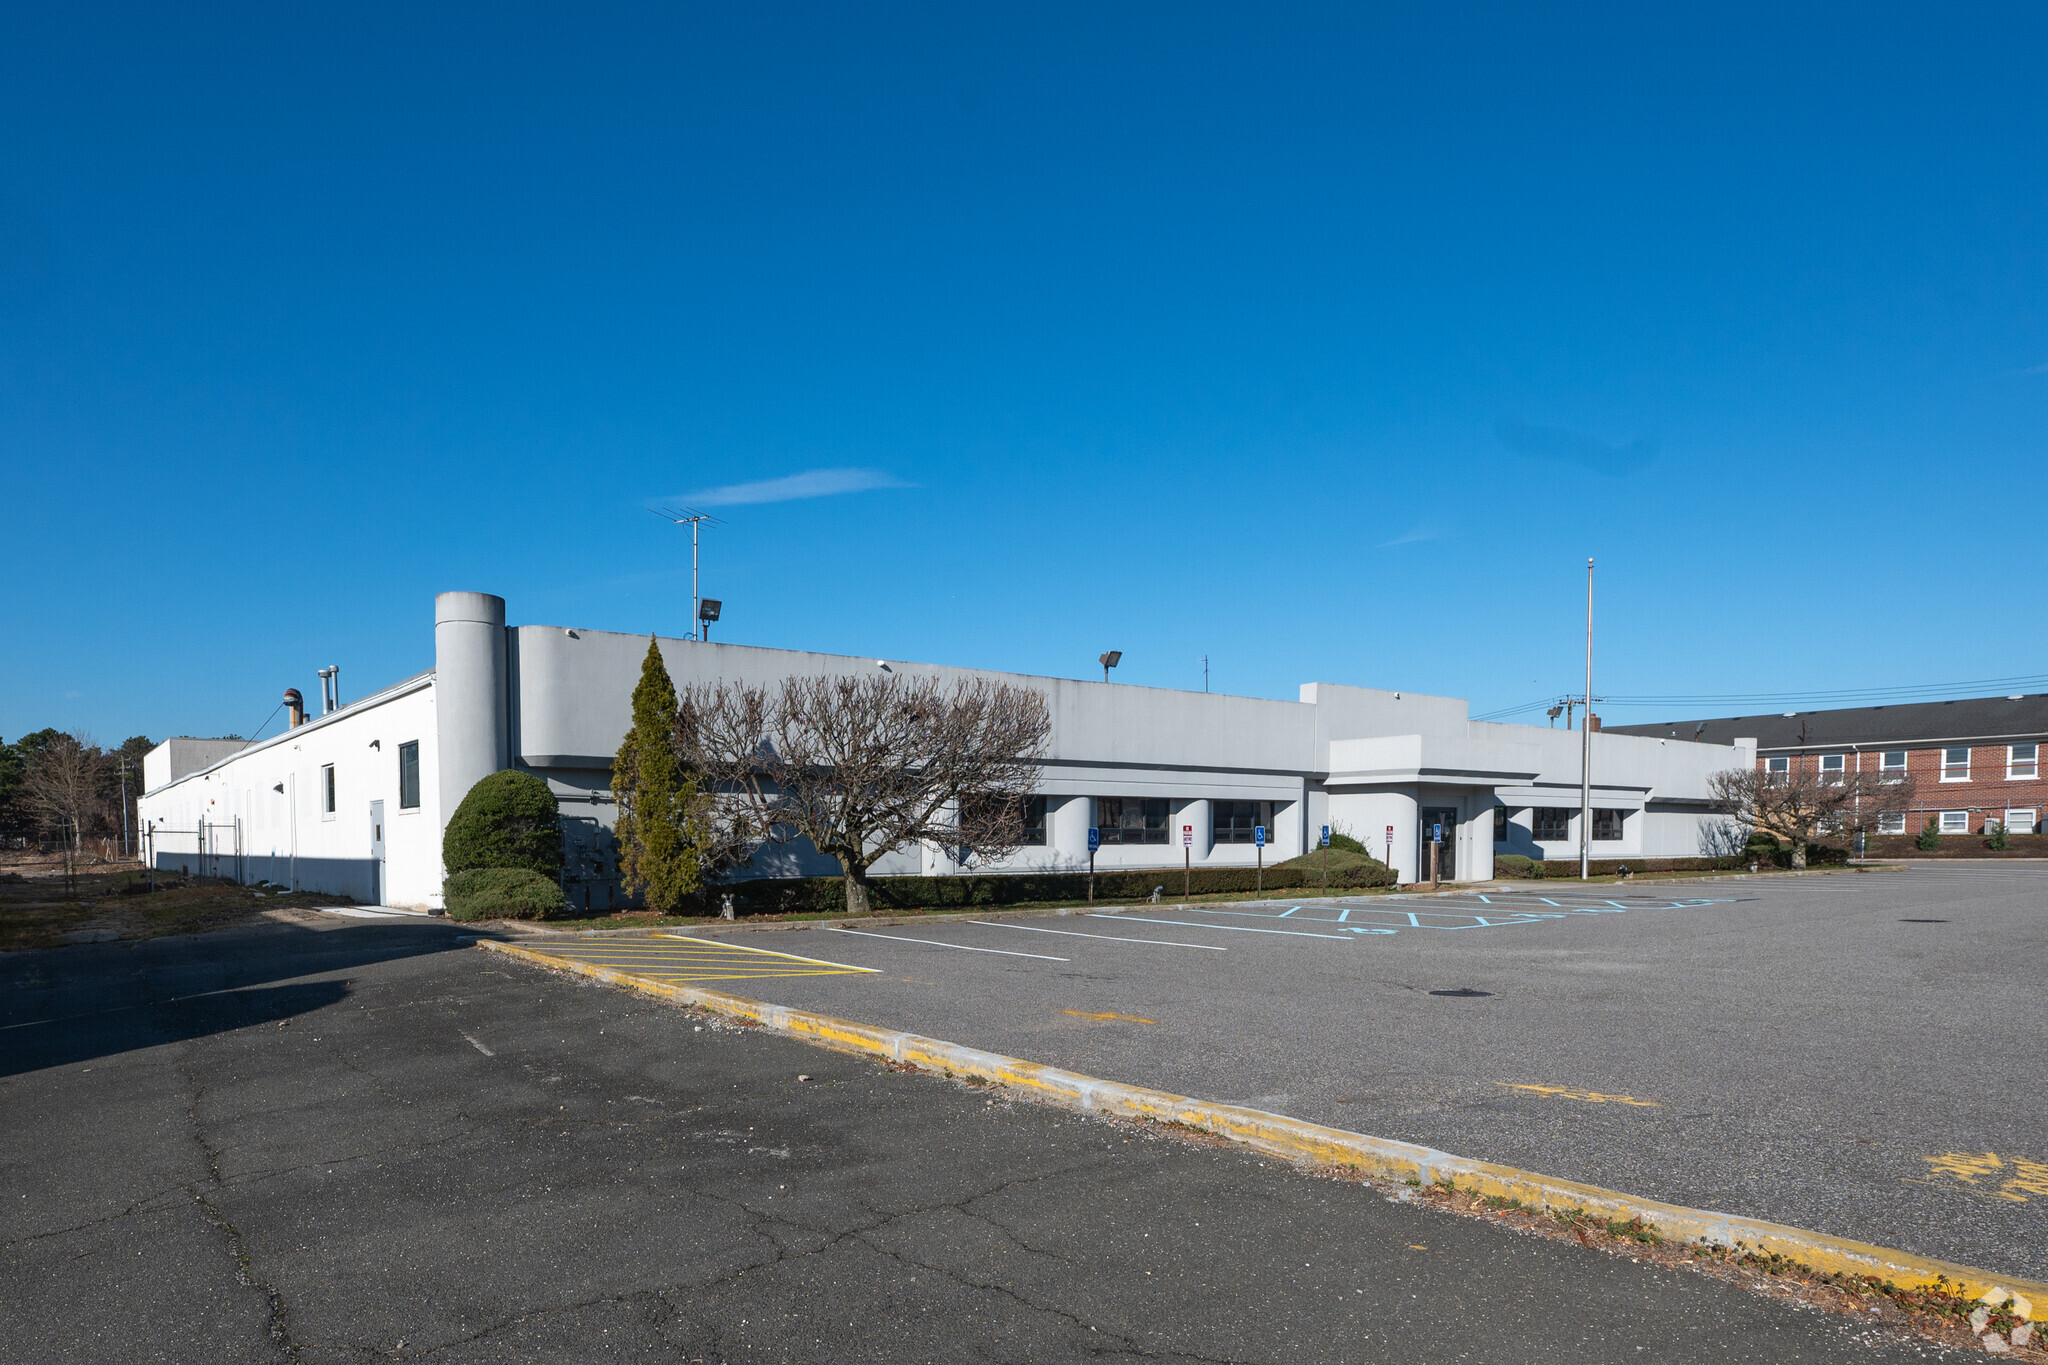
(863, 765)
(64, 783)
(1800, 805)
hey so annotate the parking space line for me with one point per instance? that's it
(895, 938)
(1111, 938)
(770, 952)
(1228, 928)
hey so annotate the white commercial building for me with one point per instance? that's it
(353, 802)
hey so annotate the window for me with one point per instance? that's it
(1894, 823)
(986, 812)
(1553, 824)
(1955, 822)
(327, 789)
(1832, 766)
(1955, 765)
(1233, 820)
(1500, 824)
(1892, 766)
(2019, 821)
(2022, 760)
(1607, 825)
(409, 775)
(1778, 766)
(1131, 820)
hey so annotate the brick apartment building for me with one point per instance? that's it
(1976, 762)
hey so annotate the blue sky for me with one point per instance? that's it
(1325, 342)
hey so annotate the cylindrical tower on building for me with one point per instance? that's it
(471, 705)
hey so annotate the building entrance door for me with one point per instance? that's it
(1445, 817)
(376, 853)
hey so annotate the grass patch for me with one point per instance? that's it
(37, 912)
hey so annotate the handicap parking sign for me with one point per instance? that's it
(1436, 833)
(1326, 836)
(1259, 835)
(1094, 838)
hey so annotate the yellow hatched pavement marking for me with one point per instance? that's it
(701, 960)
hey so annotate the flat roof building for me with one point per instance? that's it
(354, 802)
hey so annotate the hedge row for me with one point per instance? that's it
(824, 895)
(1514, 865)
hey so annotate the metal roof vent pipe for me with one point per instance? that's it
(330, 689)
(295, 707)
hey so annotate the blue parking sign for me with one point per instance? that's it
(1094, 838)
(1436, 833)
(1326, 836)
(1259, 835)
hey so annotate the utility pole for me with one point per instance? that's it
(1586, 746)
(691, 517)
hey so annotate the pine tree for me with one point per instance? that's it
(657, 801)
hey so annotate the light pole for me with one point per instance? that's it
(1586, 746)
(1109, 659)
(691, 517)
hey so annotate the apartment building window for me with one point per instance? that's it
(1832, 766)
(1955, 822)
(2023, 761)
(1233, 820)
(1894, 823)
(1131, 819)
(1607, 825)
(409, 775)
(1778, 766)
(1955, 765)
(1553, 824)
(1892, 765)
(2020, 821)
(327, 789)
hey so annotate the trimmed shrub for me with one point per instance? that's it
(501, 893)
(1760, 846)
(1930, 835)
(1515, 865)
(1348, 844)
(1606, 867)
(509, 819)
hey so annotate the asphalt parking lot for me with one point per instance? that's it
(356, 1140)
(1860, 1054)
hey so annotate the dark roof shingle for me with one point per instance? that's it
(1919, 722)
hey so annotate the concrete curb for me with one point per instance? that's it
(1298, 1140)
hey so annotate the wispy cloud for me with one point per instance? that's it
(2042, 368)
(1420, 533)
(812, 483)
(1563, 445)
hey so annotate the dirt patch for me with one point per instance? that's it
(38, 910)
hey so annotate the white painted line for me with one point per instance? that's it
(770, 952)
(1112, 938)
(480, 1047)
(894, 938)
(1232, 928)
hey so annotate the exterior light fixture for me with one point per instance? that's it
(1109, 659)
(707, 612)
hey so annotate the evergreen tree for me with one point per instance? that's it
(657, 800)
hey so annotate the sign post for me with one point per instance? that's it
(1390, 853)
(1094, 842)
(1187, 859)
(1259, 840)
(1326, 857)
(1436, 848)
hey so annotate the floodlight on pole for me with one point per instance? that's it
(1109, 659)
(707, 612)
(694, 519)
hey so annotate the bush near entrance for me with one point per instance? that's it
(501, 893)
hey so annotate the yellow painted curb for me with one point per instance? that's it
(1298, 1140)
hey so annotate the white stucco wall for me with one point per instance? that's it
(286, 832)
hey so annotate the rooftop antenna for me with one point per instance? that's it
(1205, 673)
(691, 517)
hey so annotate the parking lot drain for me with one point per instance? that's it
(1462, 991)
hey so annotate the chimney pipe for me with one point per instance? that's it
(295, 707)
(1594, 723)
